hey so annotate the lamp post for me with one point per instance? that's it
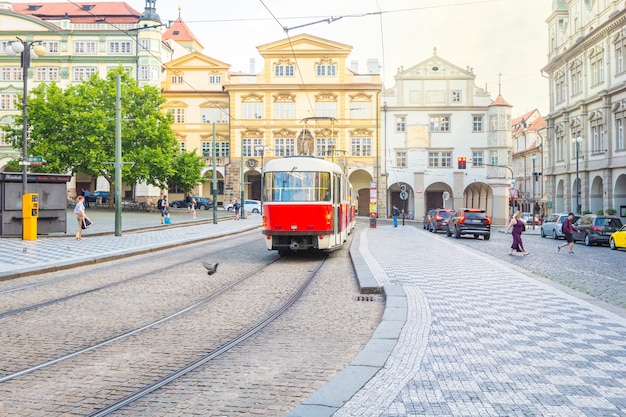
(578, 140)
(27, 50)
(533, 199)
(262, 149)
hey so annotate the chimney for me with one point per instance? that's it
(252, 64)
(372, 66)
(354, 66)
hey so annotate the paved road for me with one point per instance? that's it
(596, 271)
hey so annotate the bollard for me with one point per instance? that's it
(372, 222)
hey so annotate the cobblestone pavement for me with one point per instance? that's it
(483, 339)
(481, 335)
(596, 271)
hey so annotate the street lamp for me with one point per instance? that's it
(27, 50)
(261, 149)
(533, 199)
(578, 140)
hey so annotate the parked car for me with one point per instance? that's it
(103, 195)
(469, 221)
(553, 225)
(594, 229)
(202, 203)
(439, 220)
(427, 217)
(253, 206)
(527, 218)
(618, 239)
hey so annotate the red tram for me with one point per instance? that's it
(307, 204)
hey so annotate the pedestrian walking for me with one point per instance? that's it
(162, 207)
(236, 208)
(188, 202)
(79, 210)
(518, 227)
(85, 193)
(192, 207)
(568, 230)
(396, 213)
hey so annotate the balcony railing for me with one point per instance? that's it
(219, 161)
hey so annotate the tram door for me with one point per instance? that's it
(337, 209)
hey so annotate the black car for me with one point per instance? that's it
(202, 203)
(594, 229)
(439, 220)
(102, 195)
(469, 221)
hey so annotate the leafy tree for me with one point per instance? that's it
(187, 167)
(74, 130)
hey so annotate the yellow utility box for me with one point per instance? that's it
(30, 213)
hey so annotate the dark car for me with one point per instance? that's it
(202, 203)
(94, 198)
(469, 221)
(439, 220)
(594, 229)
(427, 217)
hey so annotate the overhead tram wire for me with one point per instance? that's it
(293, 53)
(328, 19)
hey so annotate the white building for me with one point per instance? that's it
(434, 118)
(586, 152)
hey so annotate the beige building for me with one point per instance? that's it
(194, 89)
(585, 166)
(528, 194)
(305, 101)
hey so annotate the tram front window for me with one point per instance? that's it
(297, 186)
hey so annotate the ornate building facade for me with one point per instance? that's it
(445, 142)
(585, 167)
(305, 101)
(80, 39)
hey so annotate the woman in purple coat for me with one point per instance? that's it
(518, 227)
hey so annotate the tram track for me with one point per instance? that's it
(195, 352)
(101, 270)
(137, 330)
(143, 392)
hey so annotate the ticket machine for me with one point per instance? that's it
(30, 213)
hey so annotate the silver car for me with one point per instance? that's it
(553, 225)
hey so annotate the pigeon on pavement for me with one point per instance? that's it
(211, 268)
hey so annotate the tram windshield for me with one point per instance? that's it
(298, 186)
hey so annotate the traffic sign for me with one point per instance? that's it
(35, 159)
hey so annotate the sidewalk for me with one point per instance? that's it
(464, 334)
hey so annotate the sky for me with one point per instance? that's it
(504, 41)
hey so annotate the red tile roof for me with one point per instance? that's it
(180, 32)
(81, 12)
(499, 101)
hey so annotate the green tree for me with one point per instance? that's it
(74, 130)
(187, 167)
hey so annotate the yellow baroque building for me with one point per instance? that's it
(305, 101)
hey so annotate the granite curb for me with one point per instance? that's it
(334, 394)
